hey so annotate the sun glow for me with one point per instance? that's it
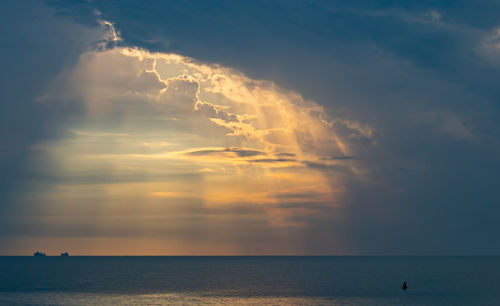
(164, 136)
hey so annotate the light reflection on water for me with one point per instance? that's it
(153, 299)
(249, 281)
(64, 298)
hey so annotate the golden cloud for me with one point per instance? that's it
(163, 133)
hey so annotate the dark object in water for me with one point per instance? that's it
(39, 254)
(65, 254)
(404, 286)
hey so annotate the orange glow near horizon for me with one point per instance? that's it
(182, 151)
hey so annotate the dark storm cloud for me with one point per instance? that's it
(34, 48)
(423, 74)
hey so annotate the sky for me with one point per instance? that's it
(250, 127)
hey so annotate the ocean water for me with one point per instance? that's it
(338, 280)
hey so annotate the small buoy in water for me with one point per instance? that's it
(404, 286)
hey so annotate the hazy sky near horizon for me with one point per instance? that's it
(257, 127)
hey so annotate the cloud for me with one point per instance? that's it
(338, 158)
(286, 154)
(37, 45)
(489, 47)
(158, 130)
(230, 152)
(272, 160)
(450, 124)
(111, 33)
(296, 195)
(321, 166)
(395, 98)
(213, 111)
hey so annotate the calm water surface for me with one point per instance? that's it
(249, 280)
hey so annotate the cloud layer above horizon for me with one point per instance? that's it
(165, 146)
(324, 132)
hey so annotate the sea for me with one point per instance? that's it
(249, 280)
